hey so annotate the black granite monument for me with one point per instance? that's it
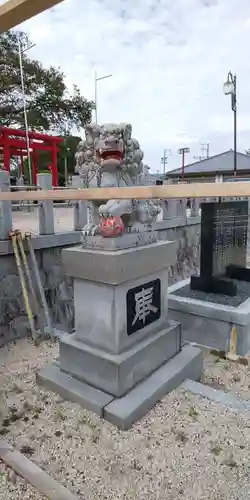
(143, 305)
(223, 256)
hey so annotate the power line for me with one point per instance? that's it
(182, 152)
(204, 152)
(164, 159)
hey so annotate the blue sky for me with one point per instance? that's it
(169, 60)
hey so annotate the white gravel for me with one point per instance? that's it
(186, 448)
(227, 376)
(14, 487)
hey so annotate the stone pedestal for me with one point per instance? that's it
(209, 320)
(123, 336)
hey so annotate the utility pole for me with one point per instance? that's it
(182, 152)
(164, 159)
(204, 152)
(21, 51)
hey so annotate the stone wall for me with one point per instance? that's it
(178, 223)
(187, 236)
(58, 288)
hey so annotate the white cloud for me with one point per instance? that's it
(168, 60)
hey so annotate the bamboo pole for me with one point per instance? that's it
(195, 190)
(14, 12)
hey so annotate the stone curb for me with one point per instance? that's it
(216, 395)
(44, 483)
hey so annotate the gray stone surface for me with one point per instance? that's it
(209, 324)
(243, 294)
(225, 398)
(118, 266)
(13, 319)
(187, 237)
(101, 317)
(80, 214)
(58, 289)
(80, 207)
(239, 315)
(72, 389)
(46, 210)
(125, 411)
(116, 374)
(127, 240)
(5, 208)
(45, 241)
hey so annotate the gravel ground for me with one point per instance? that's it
(14, 487)
(227, 375)
(186, 448)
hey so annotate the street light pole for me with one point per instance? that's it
(229, 88)
(234, 108)
(20, 52)
(97, 79)
(182, 152)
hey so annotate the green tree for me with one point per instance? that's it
(65, 158)
(49, 104)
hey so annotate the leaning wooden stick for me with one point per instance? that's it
(43, 483)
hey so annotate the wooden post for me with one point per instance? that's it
(15, 12)
(165, 192)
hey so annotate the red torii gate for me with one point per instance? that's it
(13, 143)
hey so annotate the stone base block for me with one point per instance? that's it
(123, 412)
(209, 324)
(127, 240)
(116, 374)
(72, 389)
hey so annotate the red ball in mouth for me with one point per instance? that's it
(111, 227)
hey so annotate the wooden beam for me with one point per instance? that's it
(167, 191)
(15, 12)
(45, 484)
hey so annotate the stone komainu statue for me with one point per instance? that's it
(110, 157)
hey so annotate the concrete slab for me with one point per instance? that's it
(71, 389)
(225, 398)
(117, 373)
(209, 324)
(125, 411)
